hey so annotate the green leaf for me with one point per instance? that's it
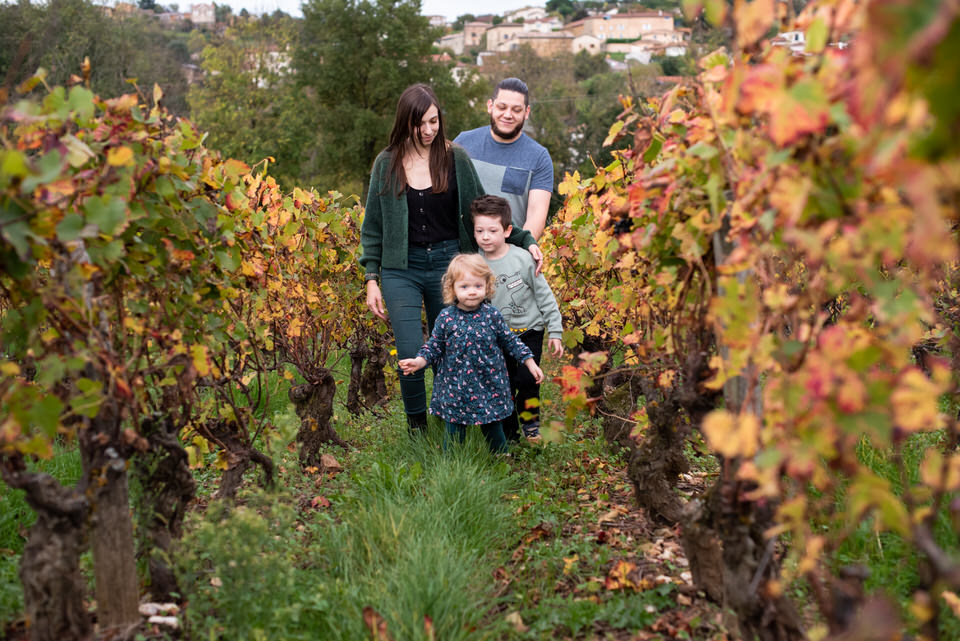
(15, 230)
(109, 214)
(13, 163)
(108, 254)
(653, 150)
(45, 414)
(80, 101)
(70, 227)
(48, 169)
(816, 36)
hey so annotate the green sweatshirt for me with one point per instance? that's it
(383, 234)
(523, 296)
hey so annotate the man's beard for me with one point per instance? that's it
(507, 135)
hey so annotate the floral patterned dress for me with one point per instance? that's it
(471, 386)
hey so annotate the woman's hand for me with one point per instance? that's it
(555, 346)
(411, 365)
(375, 300)
(535, 371)
(537, 257)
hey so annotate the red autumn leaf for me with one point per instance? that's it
(320, 501)
(801, 110)
(376, 624)
(428, 627)
(540, 531)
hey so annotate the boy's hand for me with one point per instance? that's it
(534, 370)
(411, 365)
(555, 346)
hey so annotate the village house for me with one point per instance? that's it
(588, 43)
(473, 34)
(526, 14)
(624, 26)
(437, 21)
(203, 14)
(452, 41)
(545, 44)
(501, 36)
(637, 36)
(543, 25)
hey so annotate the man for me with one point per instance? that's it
(510, 163)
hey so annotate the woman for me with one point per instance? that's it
(418, 218)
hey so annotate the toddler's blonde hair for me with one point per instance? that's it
(466, 264)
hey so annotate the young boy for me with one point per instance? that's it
(527, 304)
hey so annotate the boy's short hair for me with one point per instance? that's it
(466, 264)
(490, 205)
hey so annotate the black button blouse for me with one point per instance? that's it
(433, 217)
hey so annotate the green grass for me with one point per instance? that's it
(413, 530)
(16, 517)
(892, 563)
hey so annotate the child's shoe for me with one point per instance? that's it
(532, 432)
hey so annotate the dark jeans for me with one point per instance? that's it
(406, 292)
(493, 432)
(523, 387)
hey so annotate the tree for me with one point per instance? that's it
(565, 8)
(248, 101)
(60, 35)
(462, 20)
(354, 60)
(222, 13)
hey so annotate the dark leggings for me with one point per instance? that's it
(493, 432)
(523, 386)
(406, 292)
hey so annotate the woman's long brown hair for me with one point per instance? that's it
(413, 104)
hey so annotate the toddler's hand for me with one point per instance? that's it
(555, 346)
(411, 365)
(535, 371)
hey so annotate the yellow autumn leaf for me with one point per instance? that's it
(569, 563)
(952, 600)
(293, 329)
(914, 402)
(199, 354)
(666, 378)
(732, 435)
(939, 475)
(811, 554)
(9, 368)
(133, 324)
(120, 156)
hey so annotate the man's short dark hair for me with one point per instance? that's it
(490, 205)
(513, 84)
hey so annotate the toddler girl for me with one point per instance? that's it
(471, 385)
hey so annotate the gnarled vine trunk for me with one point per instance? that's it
(165, 470)
(240, 455)
(103, 452)
(53, 587)
(373, 385)
(368, 387)
(314, 405)
(733, 562)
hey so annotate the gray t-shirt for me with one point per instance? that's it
(523, 296)
(509, 170)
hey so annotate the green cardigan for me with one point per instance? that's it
(386, 216)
